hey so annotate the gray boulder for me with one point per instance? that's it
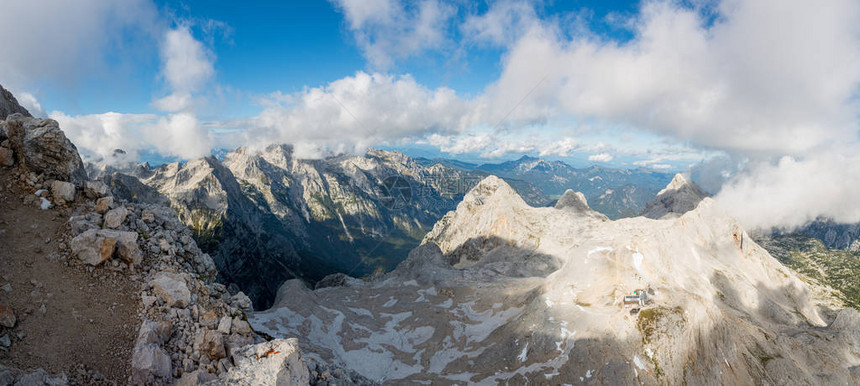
(171, 288)
(277, 362)
(149, 361)
(115, 217)
(62, 190)
(41, 147)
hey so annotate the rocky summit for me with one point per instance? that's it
(502, 292)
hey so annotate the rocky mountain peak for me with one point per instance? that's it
(492, 188)
(577, 203)
(679, 197)
(9, 105)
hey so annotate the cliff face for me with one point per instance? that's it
(503, 292)
(9, 105)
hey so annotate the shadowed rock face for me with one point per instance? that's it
(501, 292)
(41, 147)
(9, 105)
(680, 196)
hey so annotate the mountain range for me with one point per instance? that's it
(267, 216)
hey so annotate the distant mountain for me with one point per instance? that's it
(500, 292)
(614, 192)
(679, 197)
(266, 217)
(833, 234)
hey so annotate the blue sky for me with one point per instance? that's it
(659, 84)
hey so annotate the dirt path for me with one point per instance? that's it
(66, 315)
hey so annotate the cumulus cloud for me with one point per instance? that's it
(749, 81)
(387, 30)
(355, 112)
(792, 191)
(98, 135)
(64, 42)
(187, 66)
(601, 157)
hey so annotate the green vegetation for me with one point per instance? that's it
(808, 256)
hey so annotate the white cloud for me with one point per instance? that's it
(748, 82)
(502, 24)
(98, 135)
(792, 191)
(387, 30)
(66, 42)
(29, 102)
(355, 112)
(601, 157)
(186, 67)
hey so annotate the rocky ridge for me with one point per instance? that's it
(503, 292)
(192, 330)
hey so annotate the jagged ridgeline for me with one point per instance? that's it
(267, 216)
(501, 292)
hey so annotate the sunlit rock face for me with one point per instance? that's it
(500, 291)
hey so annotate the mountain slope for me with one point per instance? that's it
(598, 184)
(503, 292)
(679, 197)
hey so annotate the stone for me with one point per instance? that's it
(115, 217)
(240, 326)
(41, 147)
(195, 378)
(149, 360)
(147, 216)
(152, 332)
(7, 157)
(171, 288)
(40, 377)
(225, 324)
(242, 301)
(277, 362)
(209, 319)
(63, 191)
(210, 343)
(235, 342)
(5, 341)
(7, 317)
(103, 204)
(92, 247)
(96, 189)
(127, 249)
(148, 301)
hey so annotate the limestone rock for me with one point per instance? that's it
(210, 343)
(194, 378)
(103, 204)
(149, 360)
(7, 317)
(92, 247)
(240, 326)
(126, 246)
(171, 288)
(115, 217)
(224, 325)
(62, 190)
(152, 332)
(277, 362)
(209, 320)
(7, 157)
(42, 148)
(96, 189)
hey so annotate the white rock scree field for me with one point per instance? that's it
(431, 192)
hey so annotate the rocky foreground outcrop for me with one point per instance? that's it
(192, 329)
(9, 105)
